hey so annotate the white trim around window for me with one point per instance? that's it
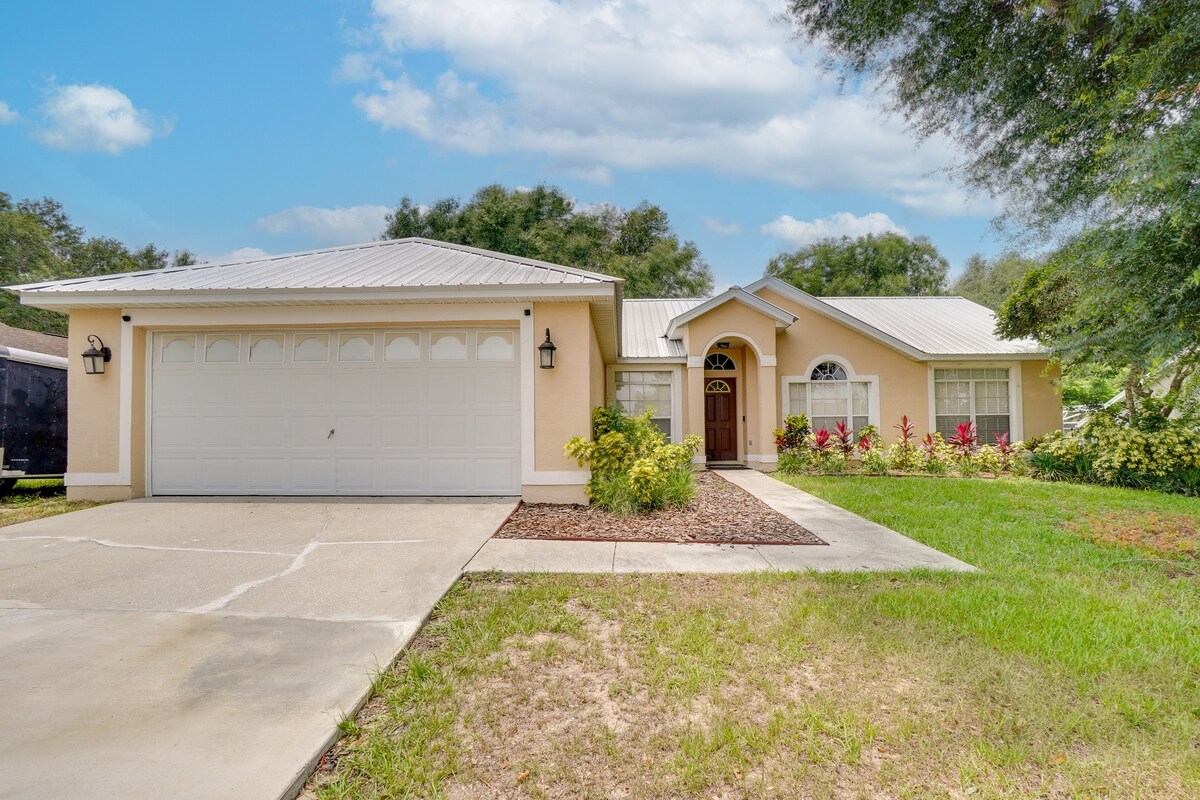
(872, 382)
(676, 389)
(1016, 411)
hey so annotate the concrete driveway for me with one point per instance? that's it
(207, 648)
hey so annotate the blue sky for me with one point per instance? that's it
(279, 126)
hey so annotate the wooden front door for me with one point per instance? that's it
(720, 420)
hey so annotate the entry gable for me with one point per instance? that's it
(735, 294)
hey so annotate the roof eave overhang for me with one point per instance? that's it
(66, 300)
(814, 303)
(1037, 356)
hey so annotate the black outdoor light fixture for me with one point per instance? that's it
(546, 351)
(95, 356)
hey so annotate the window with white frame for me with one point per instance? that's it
(828, 397)
(639, 390)
(979, 395)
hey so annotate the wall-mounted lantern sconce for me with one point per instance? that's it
(95, 356)
(546, 352)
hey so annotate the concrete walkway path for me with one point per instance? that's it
(854, 545)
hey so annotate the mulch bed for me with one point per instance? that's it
(720, 513)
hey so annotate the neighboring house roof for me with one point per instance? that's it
(33, 341)
(920, 327)
(412, 263)
(644, 326)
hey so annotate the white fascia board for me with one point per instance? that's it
(181, 297)
(782, 318)
(1042, 356)
(31, 357)
(652, 360)
(814, 303)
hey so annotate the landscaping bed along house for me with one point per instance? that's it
(718, 513)
(1158, 453)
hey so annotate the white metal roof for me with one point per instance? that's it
(390, 264)
(644, 326)
(940, 326)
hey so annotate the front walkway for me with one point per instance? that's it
(855, 545)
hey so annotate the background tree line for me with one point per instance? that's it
(39, 243)
(1083, 116)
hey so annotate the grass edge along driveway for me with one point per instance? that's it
(1067, 669)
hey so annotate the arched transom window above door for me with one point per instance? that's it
(830, 393)
(719, 362)
(717, 387)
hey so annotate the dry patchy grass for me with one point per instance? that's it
(1066, 670)
(1154, 532)
(30, 500)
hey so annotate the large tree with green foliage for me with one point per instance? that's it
(1083, 115)
(38, 242)
(878, 265)
(545, 224)
(989, 282)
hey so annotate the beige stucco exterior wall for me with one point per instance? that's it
(903, 382)
(93, 424)
(597, 380)
(562, 400)
(741, 325)
(1040, 399)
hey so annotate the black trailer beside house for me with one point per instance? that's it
(33, 417)
(33, 414)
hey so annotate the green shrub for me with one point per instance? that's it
(987, 459)
(875, 461)
(795, 462)
(633, 466)
(790, 438)
(1166, 458)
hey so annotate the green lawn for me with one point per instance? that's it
(30, 500)
(1067, 669)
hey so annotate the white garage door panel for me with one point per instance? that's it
(401, 421)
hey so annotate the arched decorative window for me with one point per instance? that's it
(719, 361)
(717, 387)
(828, 371)
(829, 396)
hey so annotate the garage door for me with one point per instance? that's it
(354, 412)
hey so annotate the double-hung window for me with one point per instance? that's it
(978, 395)
(639, 390)
(828, 397)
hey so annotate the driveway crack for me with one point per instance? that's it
(297, 563)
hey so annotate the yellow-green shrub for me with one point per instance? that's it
(633, 466)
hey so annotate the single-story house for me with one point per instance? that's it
(416, 367)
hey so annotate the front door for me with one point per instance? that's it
(720, 420)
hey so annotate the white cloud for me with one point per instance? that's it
(601, 176)
(242, 254)
(357, 68)
(96, 117)
(718, 225)
(328, 225)
(594, 84)
(798, 233)
(8, 115)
